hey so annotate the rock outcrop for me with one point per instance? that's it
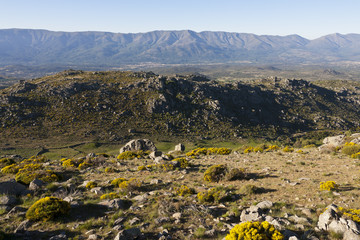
(139, 144)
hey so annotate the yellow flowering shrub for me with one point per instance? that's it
(216, 194)
(91, 185)
(353, 214)
(208, 151)
(47, 208)
(184, 190)
(141, 168)
(6, 162)
(111, 195)
(184, 163)
(328, 186)
(215, 173)
(11, 169)
(288, 149)
(249, 150)
(109, 170)
(130, 155)
(272, 148)
(117, 181)
(84, 165)
(254, 231)
(130, 185)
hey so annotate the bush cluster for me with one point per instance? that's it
(6, 162)
(130, 185)
(288, 149)
(47, 208)
(91, 184)
(79, 163)
(208, 151)
(254, 230)
(130, 155)
(351, 149)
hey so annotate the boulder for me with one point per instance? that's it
(180, 147)
(139, 144)
(330, 220)
(155, 154)
(12, 188)
(334, 140)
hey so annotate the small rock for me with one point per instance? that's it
(8, 200)
(61, 236)
(134, 221)
(93, 237)
(155, 181)
(113, 204)
(155, 154)
(177, 216)
(264, 204)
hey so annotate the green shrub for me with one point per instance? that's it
(130, 155)
(47, 208)
(254, 230)
(236, 174)
(130, 185)
(184, 163)
(217, 194)
(249, 189)
(215, 173)
(350, 149)
(208, 151)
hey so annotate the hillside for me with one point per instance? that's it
(39, 47)
(105, 105)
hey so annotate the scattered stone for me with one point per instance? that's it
(23, 226)
(177, 216)
(128, 234)
(61, 236)
(139, 144)
(156, 181)
(93, 237)
(134, 221)
(141, 198)
(97, 190)
(161, 220)
(113, 204)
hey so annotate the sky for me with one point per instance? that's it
(308, 18)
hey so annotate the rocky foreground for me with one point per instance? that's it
(142, 193)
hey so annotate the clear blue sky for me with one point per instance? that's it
(308, 18)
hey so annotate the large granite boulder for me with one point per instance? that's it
(139, 144)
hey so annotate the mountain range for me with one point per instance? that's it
(38, 47)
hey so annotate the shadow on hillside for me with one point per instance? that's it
(256, 176)
(86, 212)
(346, 187)
(41, 235)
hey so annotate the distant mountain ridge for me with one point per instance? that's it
(36, 47)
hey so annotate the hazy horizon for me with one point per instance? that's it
(308, 19)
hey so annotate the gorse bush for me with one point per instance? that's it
(350, 149)
(6, 162)
(91, 185)
(111, 195)
(215, 173)
(130, 155)
(130, 185)
(254, 231)
(117, 181)
(11, 169)
(288, 149)
(353, 214)
(47, 208)
(208, 151)
(217, 194)
(184, 190)
(328, 186)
